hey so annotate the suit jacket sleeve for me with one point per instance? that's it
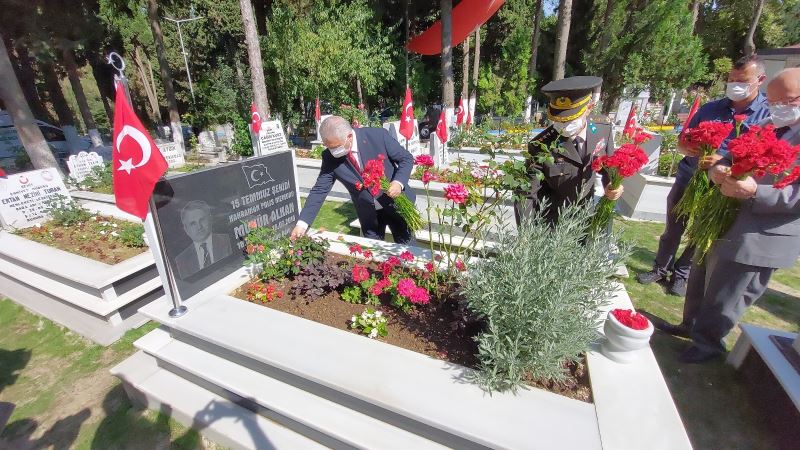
(318, 193)
(400, 157)
(769, 200)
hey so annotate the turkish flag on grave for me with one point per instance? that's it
(137, 161)
(407, 116)
(441, 128)
(317, 112)
(256, 118)
(460, 113)
(630, 123)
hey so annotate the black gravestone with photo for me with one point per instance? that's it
(204, 215)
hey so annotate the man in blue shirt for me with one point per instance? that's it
(742, 97)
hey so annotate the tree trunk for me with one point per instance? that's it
(475, 71)
(14, 99)
(562, 38)
(448, 85)
(149, 91)
(105, 83)
(749, 45)
(65, 117)
(531, 87)
(23, 68)
(254, 56)
(695, 14)
(605, 35)
(166, 76)
(77, 89)
(358, 89)
(465, 70)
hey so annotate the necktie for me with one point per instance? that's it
(206, 256)
(354, 162)
(781, 131)
(579, 145)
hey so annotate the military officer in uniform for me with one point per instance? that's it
(572, 142)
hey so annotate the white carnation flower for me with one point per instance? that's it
(378, 313)
(373, 333)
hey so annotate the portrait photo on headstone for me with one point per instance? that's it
(205, 215)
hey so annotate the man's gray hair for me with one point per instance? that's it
(336, 127)
(196, 205)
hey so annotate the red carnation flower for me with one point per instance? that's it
(359, 273)
(739, 118)
(631, 319)
(456, 193)
(407, 256)
(355, 249)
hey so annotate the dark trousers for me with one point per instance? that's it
(671, 239)
(388, 216)
(717, 295)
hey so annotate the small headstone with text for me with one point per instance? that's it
(25, 197)
(81, 165)
(172, 153)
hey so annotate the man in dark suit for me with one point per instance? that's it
(346, 154)
(573, 142)
(206, 248)
(764, 236)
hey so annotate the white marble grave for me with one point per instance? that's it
(81, 165)
(271, 138)
(25, 197)
(414, 146)
(173, 153)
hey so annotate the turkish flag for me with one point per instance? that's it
(407, 116)
(317, 112)
(630, 123)
(468, 119)
(460, 113)
(256, 118)
(441, 128)
(137, 161)
(692, 110)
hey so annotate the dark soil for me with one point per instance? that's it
(437, 330)
(84, 239)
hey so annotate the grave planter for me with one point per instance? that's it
(253, 377)
(622, 342)
(93, 299)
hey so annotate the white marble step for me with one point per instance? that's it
(215, 417)
(345, 426)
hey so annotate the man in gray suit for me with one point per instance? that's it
(765, 236)
(206, 248)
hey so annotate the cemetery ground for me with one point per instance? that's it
(65, 396)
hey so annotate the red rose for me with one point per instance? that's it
(424, 161)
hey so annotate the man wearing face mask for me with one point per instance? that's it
(764, 236)
(742, 97)
(347, 152)
(573, 142)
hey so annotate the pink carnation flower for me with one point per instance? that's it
(420, 296)
(424, 160)
(456, 193)
(406, 287)
(407, 256)
(360, 273)
(428, 176)
(460, 265)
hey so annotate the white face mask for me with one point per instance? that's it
(785, 115)
(571, 128)
(737, 91)
(340, 151)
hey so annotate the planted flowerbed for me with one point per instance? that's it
(76, 230)
(524, 317)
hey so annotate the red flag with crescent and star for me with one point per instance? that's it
(255, 118)
(441, 128)
(137, 161)
(317, 112)
(407, 116)
(460, 113)
(630, 123)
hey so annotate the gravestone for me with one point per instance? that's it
(439, 152)
(206, 215)
(207, 142)
(80, 166)
(652, 148)
(271, 138)
(413, 144)
(173, 153)
(25, 197)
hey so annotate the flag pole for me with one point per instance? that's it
(151, 224)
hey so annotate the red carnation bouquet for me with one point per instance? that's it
(375, 181)
(706, 137)
(756, 153)
(625, 162)
(631, 319)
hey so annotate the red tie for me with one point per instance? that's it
(354, 162)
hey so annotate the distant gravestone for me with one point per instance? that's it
(414, 145)
(652, 148)
(80, 166)
(173, 153)
(271, 138)
(25, 197)
(439, 151)
(207, 142)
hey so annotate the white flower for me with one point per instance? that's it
(364, 315)
(114, 225)
(114, 233)
(353, 319)
(373, 333)
(103, 232)
(378, 313)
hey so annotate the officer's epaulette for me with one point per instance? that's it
(545, 137)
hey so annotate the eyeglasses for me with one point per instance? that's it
(790, 102)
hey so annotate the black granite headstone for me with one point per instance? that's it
(204, 215)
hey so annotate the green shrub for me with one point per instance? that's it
(132, 235)
(316, 152)
(65, 211)
(280, 257)
(539, 298)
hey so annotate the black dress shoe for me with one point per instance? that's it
(680, 330)
(696, 355)
(677, 287)
(649, 277)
